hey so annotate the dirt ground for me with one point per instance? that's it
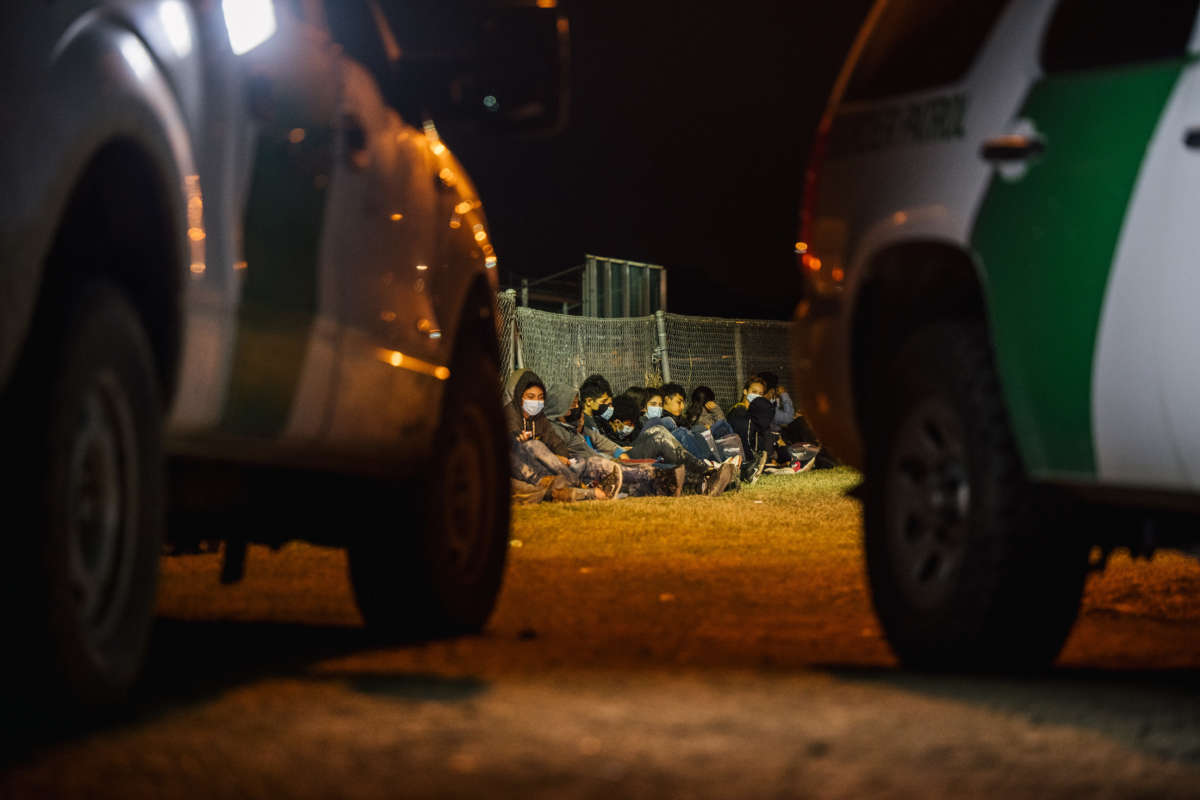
(636, 652)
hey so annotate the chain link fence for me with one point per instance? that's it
(643, 351)
(721, 353)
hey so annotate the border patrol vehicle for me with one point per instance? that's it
(242, 272)
(999, 325)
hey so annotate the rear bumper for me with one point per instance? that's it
(821, 355)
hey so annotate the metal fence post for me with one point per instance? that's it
(739, 370)
(517, 348)
(661, 319)
(525, 292)
(511, 308)
(608, 289)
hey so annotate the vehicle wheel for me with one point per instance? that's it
(87, 401)
(967, 570)
(441, 574)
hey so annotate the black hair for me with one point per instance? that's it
(672, 389)
(648, 392)
(592, 387)
(638, 393)
(770, 380)
(701, 395)
(625, 408)
(754, 379)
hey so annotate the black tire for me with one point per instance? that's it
(440, 575)
(967, 570)
(86, 403)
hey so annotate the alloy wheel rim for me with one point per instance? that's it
(929, 503)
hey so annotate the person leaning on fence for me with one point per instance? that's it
(540, 457)
(595, 399)
(673, 400)
(702, 476)
(637, 479)
(704, 418)
(702, 412)
(651, 406)
(751, 419)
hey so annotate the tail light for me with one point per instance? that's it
(812, 188)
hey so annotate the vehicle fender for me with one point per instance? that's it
(468, 262)
(102, 86)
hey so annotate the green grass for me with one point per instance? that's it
(776, 515)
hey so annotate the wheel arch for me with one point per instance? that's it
(105, 154)
(117, 224)
(906, 286)
(475, 321)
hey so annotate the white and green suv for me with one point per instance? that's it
(1003, 264)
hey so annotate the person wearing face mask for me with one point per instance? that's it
(751, 419)
(637, 479)
(672, 419)
(651, 408)
(541, 457)
(595, 400)
(702, 475)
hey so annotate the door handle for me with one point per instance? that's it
(354, 140)
(1014, 147)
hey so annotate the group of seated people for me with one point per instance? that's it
(586, 444)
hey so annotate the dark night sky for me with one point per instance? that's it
(689, 135)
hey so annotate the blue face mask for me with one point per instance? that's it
(751, 397)
(607, 413)
(653, 412)
(533, 407)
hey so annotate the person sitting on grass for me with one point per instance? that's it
(672, 419)
(637, 479)
(651, 405)
(704, 417)
(595, 399)
(702, 412)
(784, 414)
(751, 418)
(703, 476)
(540, 456)
(785, 409)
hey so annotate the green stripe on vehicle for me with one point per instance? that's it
(284, 214)
(1047, 241)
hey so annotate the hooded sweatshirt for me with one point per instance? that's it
(753, 424)
(558, 403)
(543, 430)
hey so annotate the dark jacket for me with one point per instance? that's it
(753, 424)
(543, 429)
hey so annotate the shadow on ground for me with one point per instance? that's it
(191, 662)
(1154, 711)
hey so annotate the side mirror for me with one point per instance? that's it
(500, 66)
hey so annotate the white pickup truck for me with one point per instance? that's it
(247, 295)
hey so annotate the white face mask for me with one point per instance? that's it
(751, 397)
(625, 430)
(533, 407)
(653, 412)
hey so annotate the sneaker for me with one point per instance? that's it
(751, 470)
(804, 466)
(611, 483)
(717, 479)
(668, 481)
